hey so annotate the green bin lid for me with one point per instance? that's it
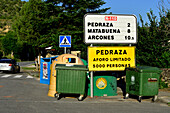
(70, 66)
(85, 62)
(147, 69)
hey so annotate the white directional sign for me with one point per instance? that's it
(100, 28)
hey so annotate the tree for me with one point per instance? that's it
(153, 41)
(67, 19)
(9, 43)
(8, 9)
(29, 23)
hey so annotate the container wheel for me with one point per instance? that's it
(126, 96)
(155, 98)
(139, 98)
(80, 98)
(56, 96)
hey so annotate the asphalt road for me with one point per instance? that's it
(24, 94)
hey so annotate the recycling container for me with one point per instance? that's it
(45, 71)
(85, 62)
(68, 59)
(142, 81)
(70, 79)
(104, 84)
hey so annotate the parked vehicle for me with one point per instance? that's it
(9, 65)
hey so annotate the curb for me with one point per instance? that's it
(164, 99)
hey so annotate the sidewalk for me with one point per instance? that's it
(163, 95)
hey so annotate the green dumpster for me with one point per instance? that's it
(142, 81)
(70, 79)
(104, 84)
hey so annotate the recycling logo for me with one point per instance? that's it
(101, 83)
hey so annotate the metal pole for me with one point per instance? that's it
(91, 82)
(64, 50)
(130, 45)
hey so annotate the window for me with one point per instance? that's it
(5, 61)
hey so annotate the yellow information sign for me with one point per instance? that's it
(110, 58)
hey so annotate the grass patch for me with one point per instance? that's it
(28, 68)
(168, 103)
(36, 75)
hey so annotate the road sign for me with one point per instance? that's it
(64, 41)
(110, 58)
(100, 28)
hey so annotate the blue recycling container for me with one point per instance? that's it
(45, 71)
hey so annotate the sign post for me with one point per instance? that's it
(64, 41)
(91, 82)
(65, 49)
(110, 29)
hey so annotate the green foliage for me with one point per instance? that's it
(66, 18)
(153, 46)
(39, 24)
(28, 68)
(29, 23)
(20, 49)
(162, 84)
(9, 43)
(8, 9)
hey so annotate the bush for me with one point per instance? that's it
(162, 84)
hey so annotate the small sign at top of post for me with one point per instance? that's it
(64, 41)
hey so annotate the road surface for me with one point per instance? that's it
(22, 93)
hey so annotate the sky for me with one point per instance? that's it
(135, 7)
